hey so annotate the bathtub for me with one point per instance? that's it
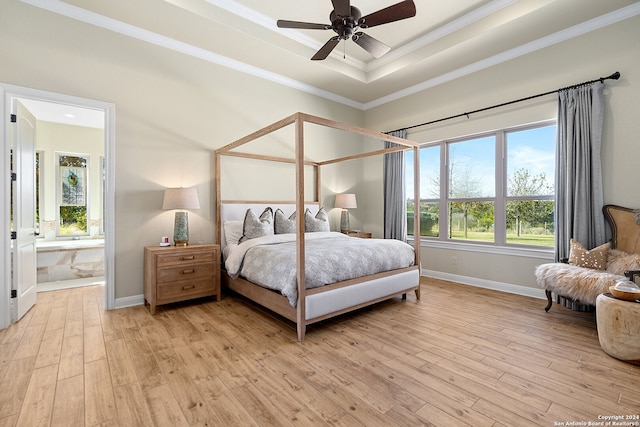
(69, 259)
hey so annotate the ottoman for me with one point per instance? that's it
(619, 327)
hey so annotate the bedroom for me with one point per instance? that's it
(173, 110)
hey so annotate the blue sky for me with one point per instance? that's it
(532, 149)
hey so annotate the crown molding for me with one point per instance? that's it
(83, 15)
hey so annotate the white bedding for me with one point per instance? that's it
(331, 257)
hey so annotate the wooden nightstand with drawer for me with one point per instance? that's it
(173, 273)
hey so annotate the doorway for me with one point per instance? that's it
(69, 219)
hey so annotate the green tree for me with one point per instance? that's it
(463, 184)
(521, 184)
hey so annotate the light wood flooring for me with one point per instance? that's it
(460, 356)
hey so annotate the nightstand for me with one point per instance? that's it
(360, 234)
(179, 273)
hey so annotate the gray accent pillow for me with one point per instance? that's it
(255, 226)
(318, 223)
(282, 224)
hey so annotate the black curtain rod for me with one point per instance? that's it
(614, 76)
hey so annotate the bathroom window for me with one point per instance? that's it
(72, 194)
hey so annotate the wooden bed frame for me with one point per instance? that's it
(360, 292)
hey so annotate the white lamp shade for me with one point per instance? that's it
(346, 201)
(180, 198)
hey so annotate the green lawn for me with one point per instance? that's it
(524, 239)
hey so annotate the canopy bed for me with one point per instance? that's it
(305, 296)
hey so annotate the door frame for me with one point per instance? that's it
(7, 92)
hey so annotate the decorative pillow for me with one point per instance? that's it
(233, 231)
(318, 223)
(282, 224)
(595, 258)
(619, 261)
(254, 226)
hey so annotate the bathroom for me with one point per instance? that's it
(69, 195)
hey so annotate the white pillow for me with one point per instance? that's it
(257, 226)
(318, 223)
(232, 231)
(282, 224)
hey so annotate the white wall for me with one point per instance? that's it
(172, 112)
(593, 55)
(54, 138)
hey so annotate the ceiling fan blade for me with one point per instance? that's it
(342, 7)
(326, 49)
(396, 12)
(302, 25)
(373, 46)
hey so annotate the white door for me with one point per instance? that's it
(24, 212)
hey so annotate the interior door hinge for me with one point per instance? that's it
(14, 293)
(14, 235)
(14, 176)
(14, 118)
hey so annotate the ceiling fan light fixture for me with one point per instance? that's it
(345, 26)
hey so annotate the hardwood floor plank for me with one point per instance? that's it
(120, 363)
(226, 408)
(40, 311)
(14, 386)
(38, 400)
(71, 357)
(131, 405)
(145, 365)
(195, 409)
(57, 317)
(163, 408)
(9, 421)
(50, 348)
(30, 342)
(99, 401)
(94, 348)
(7, 350)
(459, 356)
(68, 406)
(259, 406)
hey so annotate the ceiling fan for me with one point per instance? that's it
(345, 21)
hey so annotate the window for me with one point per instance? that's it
(72, 195)
(498, 188)
(429, 186)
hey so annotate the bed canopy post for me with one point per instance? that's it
(218, 201)
(300, 259)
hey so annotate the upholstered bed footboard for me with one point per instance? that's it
(347, 298)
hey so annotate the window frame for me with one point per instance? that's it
(87, 189)
(499, 199)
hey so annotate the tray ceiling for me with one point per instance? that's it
(444, 41)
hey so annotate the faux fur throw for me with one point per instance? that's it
(585, 284)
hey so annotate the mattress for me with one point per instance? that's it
(330, 257)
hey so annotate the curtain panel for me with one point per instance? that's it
(579, 192)
(395, 209)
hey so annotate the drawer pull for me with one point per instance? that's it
(184, 288)
(188, 271)
(185, 257)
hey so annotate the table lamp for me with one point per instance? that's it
(345, 201)
(181, 199)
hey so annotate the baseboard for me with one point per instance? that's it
(488, 284)
(465, 280)
(129, 301)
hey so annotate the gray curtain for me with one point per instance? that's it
(395, 217)
(579, 197)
